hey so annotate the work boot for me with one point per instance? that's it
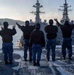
(48, 59)
(10, 62)
(30, 59)
(34, 63)
(38, 63)
(70, 58)
(53, 59)
(64, 58)
(6, 62)
(25, 59)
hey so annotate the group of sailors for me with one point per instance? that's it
(34, 41)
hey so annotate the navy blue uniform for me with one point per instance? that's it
(67, 41)
(7, 45)
(51, 33)
(37, 41)
(26, 34)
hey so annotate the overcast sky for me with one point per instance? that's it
(20, 9)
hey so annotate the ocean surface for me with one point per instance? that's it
(16, 37)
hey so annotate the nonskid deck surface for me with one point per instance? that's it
(20, 67)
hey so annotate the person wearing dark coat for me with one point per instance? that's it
(7, 46)
(37, 41)
(26, 34)
(66, 29)
(51, 34)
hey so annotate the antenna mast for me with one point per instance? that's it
(37, 12)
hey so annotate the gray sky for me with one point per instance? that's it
(20, 9)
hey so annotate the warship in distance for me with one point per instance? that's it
(65, 12)
(37, 12)
(37, 19)
(43, 24)
(65, 17)
(37, 16)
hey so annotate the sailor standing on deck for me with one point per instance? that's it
(51, 33)
(37, 41)
(26, 34)
(7, 45)
(66, 29)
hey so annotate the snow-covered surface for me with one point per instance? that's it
(58, 67)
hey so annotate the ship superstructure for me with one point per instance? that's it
(37, 12)
(65, 11)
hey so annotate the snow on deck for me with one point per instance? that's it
(20, 67)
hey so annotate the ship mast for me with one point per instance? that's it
(37, 12)
(65, 11)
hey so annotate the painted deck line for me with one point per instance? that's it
(52, 69)
(62, 70)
